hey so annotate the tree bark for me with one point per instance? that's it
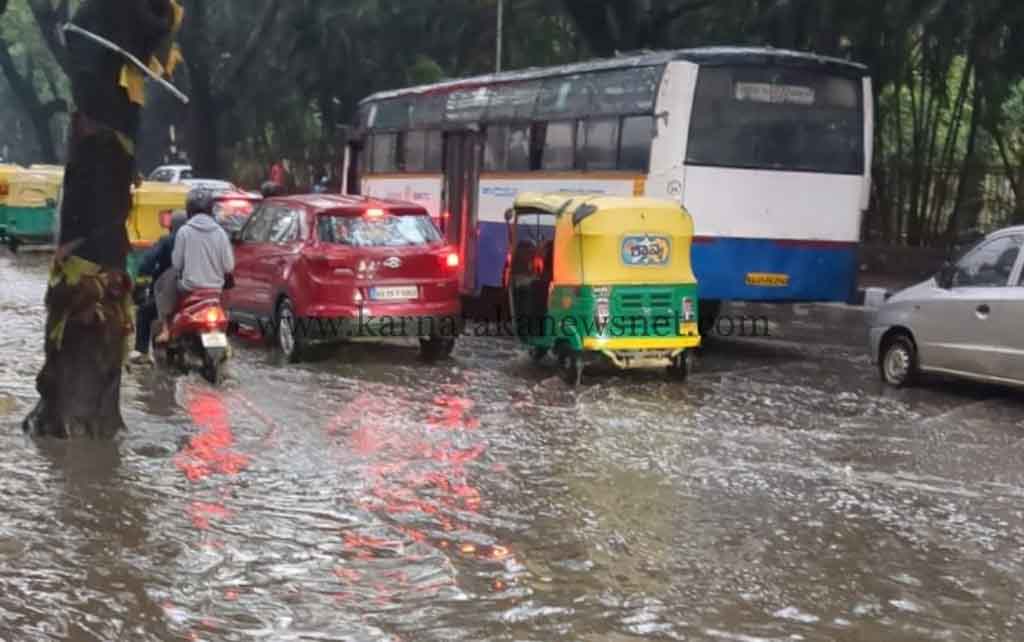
(89, 308)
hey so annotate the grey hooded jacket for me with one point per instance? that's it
(202, 254)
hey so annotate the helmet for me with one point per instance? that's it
(200, 201)
(270, 189)
(177, 220)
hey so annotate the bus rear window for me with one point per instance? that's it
(386, 230)
(777, 118)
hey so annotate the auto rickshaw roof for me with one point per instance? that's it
(582, 206)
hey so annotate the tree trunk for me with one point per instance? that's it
(88, 302)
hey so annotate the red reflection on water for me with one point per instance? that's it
(416, 469)
(211, 451)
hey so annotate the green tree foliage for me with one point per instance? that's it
(281, 78)
(35, 84)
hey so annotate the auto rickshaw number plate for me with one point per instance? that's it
(645, 250)
(214, 340)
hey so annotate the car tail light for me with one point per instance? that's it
(688, 309)
(5, 189)
(375, 213)
(165, 219)
(452, 260)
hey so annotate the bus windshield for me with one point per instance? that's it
(384, 231)
(777, 118)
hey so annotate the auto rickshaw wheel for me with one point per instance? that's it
(571, 364)
(681, 366)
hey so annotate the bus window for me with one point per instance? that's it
(565, 96)
(384, 151)
(626, 91)
(513, 101)
(507, 148)
(393, 114)
(496, 149)
(432, 154)
(428, 111)
(519, 149)
(635, 148)
(414, 148)
(559, 145)
(777, 118)
(599, 143)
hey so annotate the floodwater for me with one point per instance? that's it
(782, 494)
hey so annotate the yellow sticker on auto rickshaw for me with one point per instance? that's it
(766, 280)
(645, 250)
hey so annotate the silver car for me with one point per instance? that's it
(967, 321)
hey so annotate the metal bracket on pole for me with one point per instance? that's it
(103, 42)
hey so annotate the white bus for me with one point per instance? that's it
(769, 150)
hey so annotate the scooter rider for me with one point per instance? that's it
(155, 263)
(203, 258)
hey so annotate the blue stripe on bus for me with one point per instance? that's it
(816, 271)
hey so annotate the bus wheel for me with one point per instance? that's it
(709, 310)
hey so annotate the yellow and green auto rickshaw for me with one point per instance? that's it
(6, 171)
(153, 204)
(32, 207)
(603, 278)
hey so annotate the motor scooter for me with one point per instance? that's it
(199, 336)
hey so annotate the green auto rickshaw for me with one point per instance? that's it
(603, 278)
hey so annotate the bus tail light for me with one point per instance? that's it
(452, 260)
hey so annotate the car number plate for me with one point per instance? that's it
(395, 293)
(214, 340)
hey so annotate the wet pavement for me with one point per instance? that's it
(781, 494)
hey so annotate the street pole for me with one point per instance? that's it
(501, 29)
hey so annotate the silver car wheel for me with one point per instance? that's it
(898, 363)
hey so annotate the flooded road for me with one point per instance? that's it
(782, 494)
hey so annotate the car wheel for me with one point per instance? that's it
(436, 348)
(898, 362)
(289, 342)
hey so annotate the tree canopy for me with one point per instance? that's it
(271, 79)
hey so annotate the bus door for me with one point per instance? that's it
(463, 155)
(351, 176)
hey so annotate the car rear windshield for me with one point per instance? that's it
(388, 230)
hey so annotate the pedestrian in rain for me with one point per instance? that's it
(278, 174)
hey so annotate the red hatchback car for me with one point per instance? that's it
(325, 268)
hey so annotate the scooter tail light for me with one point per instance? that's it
(214, 317)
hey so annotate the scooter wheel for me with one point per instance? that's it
(214, 372)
